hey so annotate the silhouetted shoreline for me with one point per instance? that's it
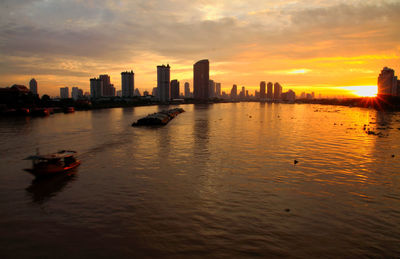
(389, 103)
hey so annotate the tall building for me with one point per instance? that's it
(174, 94)
(242, 93)
(387, 82)
(218, 89)
(128, 84)
(76, 93)
(289, 96)
(108, 88)
(211, 89)
(201, 77)
(234, 92)
(64, 92)
(163, 78)
(398, 87)
(154, 92)
(96, 88)
(262, 90)
(187, 90)
(270, 93)
(277, 91)
(33, 86)
(136, 92)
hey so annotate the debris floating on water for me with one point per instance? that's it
(295, 161)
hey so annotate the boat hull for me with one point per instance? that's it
(52, 170)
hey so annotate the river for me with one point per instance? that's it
(217, 181)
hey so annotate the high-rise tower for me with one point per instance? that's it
(174, 89)
(262, 90)
(33, 86)
(163, 77)
(270, 94)
(128, 83)
(201, 79)
(387, 82)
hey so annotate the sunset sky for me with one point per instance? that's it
(310, 45)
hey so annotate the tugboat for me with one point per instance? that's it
(52, 164)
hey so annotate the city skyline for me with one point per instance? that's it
(320, 46)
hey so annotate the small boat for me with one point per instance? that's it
(69, 109)
(40, 112)
(51, 164)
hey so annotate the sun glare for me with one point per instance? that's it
(363, 90)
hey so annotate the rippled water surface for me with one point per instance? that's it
(219, 180)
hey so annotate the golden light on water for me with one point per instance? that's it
(363, 90)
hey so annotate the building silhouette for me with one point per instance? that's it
(76, 93)
(154, 92)
(388, 83)
(96, 88)
(64, 92)
(270, 93)
(201, 77)
(218, 89)
(174, 89)
(108, 88)
(263, 95)
(33, 86)
(211, 89)
(128, 84)
(277, 91)
(163, 80)
(187, 90)
(242, 93)
(234, 92)
(289, 96)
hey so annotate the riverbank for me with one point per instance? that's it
(390, 103)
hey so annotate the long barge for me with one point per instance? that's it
(159, 118)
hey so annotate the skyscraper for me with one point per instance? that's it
(187, 90)
(387, 82)
(33, 86)
(242, 93)
(201, 77)
(163, 77)
(262, 90)
(174, 89)
(96, 88)
(154, 92)
(218, 89)
(277, 91)
(108, 88)
(76, 93)
(128, 83)
(211, 89)
(234, 92)
(270, 93)
(64, 92)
